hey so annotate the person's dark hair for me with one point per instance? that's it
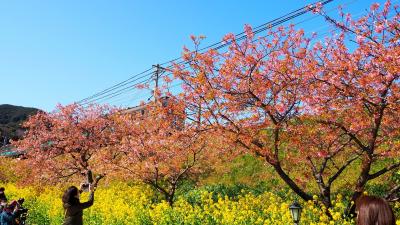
(2, 189)
(70, 195)
(372, 210)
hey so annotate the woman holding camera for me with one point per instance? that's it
(3, 197)
(73, 207)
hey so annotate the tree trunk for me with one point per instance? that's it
(360, 186)
(326, 197)
(326, 200)
(171, 195)
(170, 200)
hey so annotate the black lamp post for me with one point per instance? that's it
(295, 210)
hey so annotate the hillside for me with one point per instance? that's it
(11, 118)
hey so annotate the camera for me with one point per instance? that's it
(22, 213)
(85, 187)
(21, 201)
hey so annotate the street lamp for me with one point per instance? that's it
(295, 210)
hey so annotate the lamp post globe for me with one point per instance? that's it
(295, 210)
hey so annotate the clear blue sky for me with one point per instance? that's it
(63, 51)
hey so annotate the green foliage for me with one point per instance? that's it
(244, 169)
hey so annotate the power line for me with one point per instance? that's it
(123, 90)
(105, 94)
(118, 92)
(322, 35)
(116, 86)
(264, 25)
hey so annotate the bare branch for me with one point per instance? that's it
(383, 171)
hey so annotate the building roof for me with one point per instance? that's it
(134, 109)
(11, 151)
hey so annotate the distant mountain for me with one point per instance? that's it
(11, 118)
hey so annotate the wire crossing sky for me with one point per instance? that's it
(126, 85)
(64, 51)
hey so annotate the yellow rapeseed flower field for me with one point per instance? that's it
(121, 203)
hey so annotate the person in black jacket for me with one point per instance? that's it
(2, 194)
(73, 208)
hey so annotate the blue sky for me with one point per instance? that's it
(63, 51)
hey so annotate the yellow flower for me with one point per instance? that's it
(136, 205)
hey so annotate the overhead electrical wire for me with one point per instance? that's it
(118, 92)
(126, 85)
(263, 26)
(116, 86)
(260, 29)
(320, 37)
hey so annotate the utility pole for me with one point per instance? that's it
(157, 74)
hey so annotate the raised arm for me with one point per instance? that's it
(89, 203)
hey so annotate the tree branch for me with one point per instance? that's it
(383, 171)
(341, 169)
(343, 128)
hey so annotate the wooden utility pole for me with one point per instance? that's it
(157, 74)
